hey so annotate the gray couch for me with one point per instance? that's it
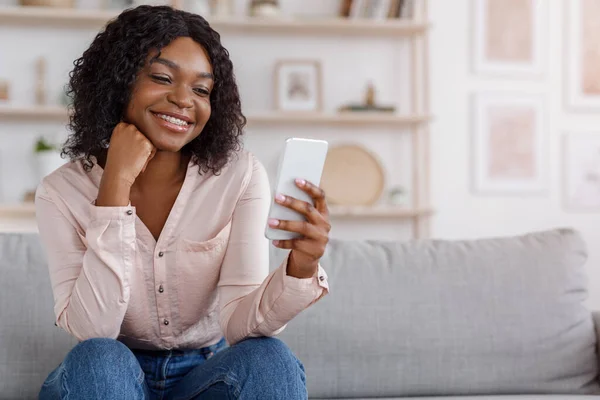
(493, 318)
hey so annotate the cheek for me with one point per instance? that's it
(205, 110)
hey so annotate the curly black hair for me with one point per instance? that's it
(101, 82)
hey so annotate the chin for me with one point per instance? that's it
(167, 145)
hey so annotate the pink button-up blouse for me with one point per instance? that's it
(206, 276)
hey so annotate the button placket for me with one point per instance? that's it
(162, 301)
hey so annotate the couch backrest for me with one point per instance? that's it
(433, 317)
(30, 345)
(491, 316)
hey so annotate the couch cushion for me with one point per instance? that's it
(427, 318)
(30, 345)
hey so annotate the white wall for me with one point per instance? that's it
(348, 63)
(461, 214)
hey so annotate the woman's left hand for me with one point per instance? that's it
(307, 250)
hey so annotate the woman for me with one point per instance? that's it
(155, 232)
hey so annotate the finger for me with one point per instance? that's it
(315, 192)
(150, 157)
(303, 207)
(302, 227)
(308, 247)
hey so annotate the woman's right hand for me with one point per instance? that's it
(128, 155)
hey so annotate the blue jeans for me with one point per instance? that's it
(257, 368)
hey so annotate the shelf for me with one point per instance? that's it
(377, 212)
(28, 211)
(57, 113)
(82, 18)
(33, 112)
(344, 118)
(17, 211)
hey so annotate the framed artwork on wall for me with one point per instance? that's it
(298, 85)
(509, 37)
(583, 55)
(581, 171)
(508, 144)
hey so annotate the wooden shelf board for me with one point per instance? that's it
(343, 118)
(8, 112)
(377, 212)
(261, 118)
(89, 18)
(18, 211)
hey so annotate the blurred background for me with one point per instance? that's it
(446, 118)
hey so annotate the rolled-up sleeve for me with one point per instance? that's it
(89, 271)
(252, 301)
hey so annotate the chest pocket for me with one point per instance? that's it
(197, 273)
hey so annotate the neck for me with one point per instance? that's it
(165, 168)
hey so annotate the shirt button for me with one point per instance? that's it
(160, 289)
(161, 254)
(166, 322)
(129, 212)
(321, 278)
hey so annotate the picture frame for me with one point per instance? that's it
(517, 52)
(581, 171)
(509, 144)
(298, 86)
(582, 80)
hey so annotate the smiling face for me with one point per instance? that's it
(170, 100)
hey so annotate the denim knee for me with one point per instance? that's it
(273, 363)
(104, 355)
(105, 367)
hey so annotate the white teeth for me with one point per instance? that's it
(173, 120)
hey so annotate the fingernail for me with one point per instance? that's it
(273, 222)
(276, 242)
(300, 182)
(280, 198)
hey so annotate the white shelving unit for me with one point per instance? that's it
(40, 16)
(415, 122)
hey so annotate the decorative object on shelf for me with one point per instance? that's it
(369, 103)
(581, 171)
(583, 75)
(264, 8)
(221, 8)
(352, 176)
(509, 144)
(40, 88)
(398, 196)
(4, 95)
(518, 51)
(377, 9)
(118, 4)
(345, 8)
(49, 3)
(298, 85)
(29, 196)
(47, 157)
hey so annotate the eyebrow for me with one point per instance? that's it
(176, 67)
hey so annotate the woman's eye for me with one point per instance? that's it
(201, 92)
(160, 78)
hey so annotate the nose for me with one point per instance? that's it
(181, 97)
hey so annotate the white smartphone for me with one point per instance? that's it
(301, 158)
